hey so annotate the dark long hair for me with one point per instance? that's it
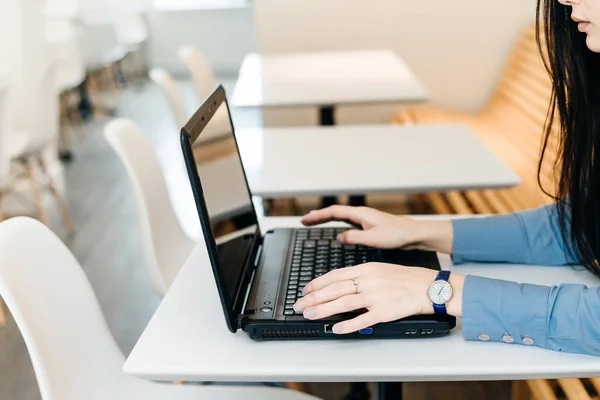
(575, 102)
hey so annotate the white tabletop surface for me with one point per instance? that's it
(326, 78)
(306, 161)
(187, 339)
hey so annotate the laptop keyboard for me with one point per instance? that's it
(316, 252)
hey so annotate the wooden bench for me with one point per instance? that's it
(512, 126)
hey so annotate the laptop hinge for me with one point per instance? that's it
(245, 315)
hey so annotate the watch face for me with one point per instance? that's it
(440, 292)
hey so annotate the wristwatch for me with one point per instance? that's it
(440, 292)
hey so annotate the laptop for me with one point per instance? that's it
(260, 275)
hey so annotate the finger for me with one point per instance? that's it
(338, 306)
(348, 273)
(334, 213)
(355, 236)
(363, 321)
(326, 294)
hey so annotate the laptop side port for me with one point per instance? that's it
(410, 331)
(426, 331)
(328, 328)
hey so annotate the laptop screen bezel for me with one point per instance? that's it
(189, 134)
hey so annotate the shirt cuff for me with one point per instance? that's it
(489, 239)
(501, 311)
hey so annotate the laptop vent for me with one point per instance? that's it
(290, 334)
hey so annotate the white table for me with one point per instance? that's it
(187, 339)
(326, 79)
(321, 161)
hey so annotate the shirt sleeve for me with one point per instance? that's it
(529, 237)
(561, 318)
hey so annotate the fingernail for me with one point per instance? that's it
(308, 314)
(306, 289)
(312, 211)
(298, 307)
(337, 329)
(340, 238)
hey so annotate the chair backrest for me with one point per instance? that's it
(64, 45)
(33, 108)
(201, 71)
(98, 37)
(165, 244)
(173, 94)
(131, 28)
(73, 353)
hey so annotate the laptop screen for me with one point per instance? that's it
(231, 214)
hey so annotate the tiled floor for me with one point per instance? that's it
(107, 246)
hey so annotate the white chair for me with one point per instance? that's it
(63, 41)
(167, 216)
(63, 45)
(200, 70)
(219, 127)
(32, 137)
(132, 32)
(73, 353)
(101, 52)
(165, 244)
(172, 92)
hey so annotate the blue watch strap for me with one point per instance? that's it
(441, 308)
(443, 276)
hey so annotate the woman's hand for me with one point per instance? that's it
(389, 292)
(386, 231)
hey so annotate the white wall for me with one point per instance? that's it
(457, 48)
(225, 36)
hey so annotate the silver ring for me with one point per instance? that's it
(355, 286)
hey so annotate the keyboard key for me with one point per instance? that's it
(288, 312)
(309, 244)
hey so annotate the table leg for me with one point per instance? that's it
(388, 391)
(327, 118)
(358, 391)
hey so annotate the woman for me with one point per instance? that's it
(561, 318)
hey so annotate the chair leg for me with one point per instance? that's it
(140, 69)
(59, 199)
(96, 94)
(111, 74)
(35, 191)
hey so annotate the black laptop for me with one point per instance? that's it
(260, 275)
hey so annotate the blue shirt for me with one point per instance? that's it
(562, 318)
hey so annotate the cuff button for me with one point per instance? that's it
(506, 338)
(528, 341)
(483, 337)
